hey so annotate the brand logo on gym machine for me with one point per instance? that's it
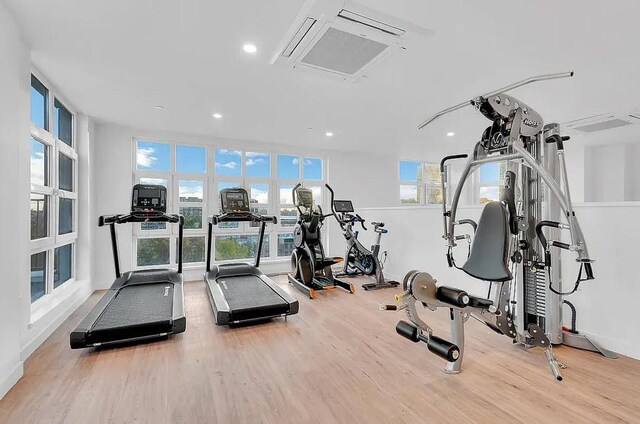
(166, 291)
(531, 123)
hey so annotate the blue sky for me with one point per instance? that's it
(312, 169)
(152, 156)
(37, 108)
(489, 172)
(288, 167)
(228, 162)
(258, 164)
(409, 170)
(191, 159)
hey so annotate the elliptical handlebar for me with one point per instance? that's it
(333, 208)
(293, 197)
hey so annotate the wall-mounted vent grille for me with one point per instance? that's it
(601, 126)
(601, 123)
(341, 51)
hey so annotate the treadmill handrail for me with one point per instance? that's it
(242, 217)
(155, 216)
(139, 217)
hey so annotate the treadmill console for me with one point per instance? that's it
(305, 197)
(344, 206)
(234, 200)
(148, 198)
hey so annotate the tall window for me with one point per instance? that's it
(194, 190)
(490, 181)
(53, 163)
(419, 183)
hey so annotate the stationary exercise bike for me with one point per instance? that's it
(357, 258)
(310, 268)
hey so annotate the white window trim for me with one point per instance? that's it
(210, 204)
(424, 186)
(54, 240)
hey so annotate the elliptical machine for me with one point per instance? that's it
(357, 258)
(310, 268)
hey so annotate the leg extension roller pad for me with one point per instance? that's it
(452, 296)
(442, 348)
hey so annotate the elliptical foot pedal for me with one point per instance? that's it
(376, 286)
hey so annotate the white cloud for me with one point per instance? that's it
(251, 162)
(145, 157)
(256, 155)
(154, 181)
(408, 192)
(228, 152)
(308, 162)
(37, 167)
(262, 196)
(295, 161)
(228, 165)
(191, 189)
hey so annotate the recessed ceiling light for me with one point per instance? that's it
(250, 48)
(159, 107)
(450, 134)
(217, 115)
(309, 129)
(329, 134)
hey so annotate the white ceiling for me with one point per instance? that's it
(117, 59)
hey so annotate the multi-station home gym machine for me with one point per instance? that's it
(509, 247)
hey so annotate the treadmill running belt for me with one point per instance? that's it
(136, 311)
(249, 292)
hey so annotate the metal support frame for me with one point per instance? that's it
(536, 154)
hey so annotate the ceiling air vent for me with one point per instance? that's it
(342, 52)
(603, 122)
(342, 39)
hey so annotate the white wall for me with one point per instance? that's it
(14, 169)
(606, 306)
(23, 328)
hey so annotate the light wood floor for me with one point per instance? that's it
(338, 361)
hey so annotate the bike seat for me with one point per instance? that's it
(378, 224)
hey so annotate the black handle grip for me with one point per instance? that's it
(452, 296)
(408, 331)
(540, 234)
(389, 307)
(446, 158)
(444, 349)
(588, 270)
(560, 244)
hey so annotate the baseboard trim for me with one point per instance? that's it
(60, 314)
(11, 379)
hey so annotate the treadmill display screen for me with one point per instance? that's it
(149, 197)
(305, 197)
(343, 206)
(234, 200)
